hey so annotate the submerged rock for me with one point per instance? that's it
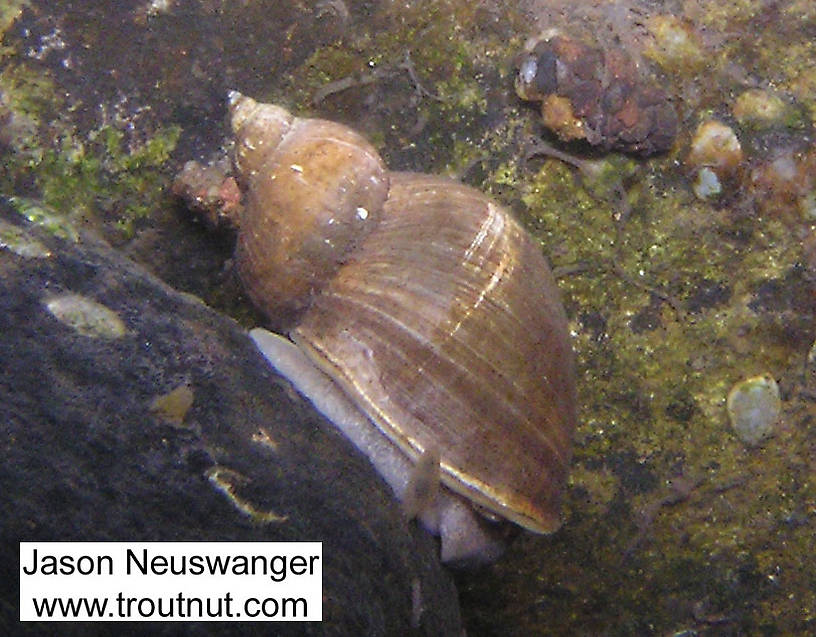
(87, 456)
(596, 94)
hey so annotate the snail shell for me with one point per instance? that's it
(440, 320)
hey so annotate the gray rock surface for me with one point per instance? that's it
(85, 458)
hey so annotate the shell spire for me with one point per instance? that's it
(314, 190)
(256, 127)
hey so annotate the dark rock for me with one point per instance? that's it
(85, 458)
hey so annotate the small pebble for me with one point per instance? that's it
(173, 406)
(707, 184)
(760, 109)
(715, 157)
(675, 45)
(754, 407)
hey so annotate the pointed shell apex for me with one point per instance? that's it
(258, 129)
(240, 109)
(245, 110)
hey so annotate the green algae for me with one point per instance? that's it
(101, 177)
(440, 74)
(20, 242)
(9, 12)
(45, 217)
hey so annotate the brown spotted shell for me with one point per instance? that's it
(442, 321)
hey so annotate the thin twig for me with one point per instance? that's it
(375, 75)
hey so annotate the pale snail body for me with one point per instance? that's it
(439, 320)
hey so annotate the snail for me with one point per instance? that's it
(422, 319)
